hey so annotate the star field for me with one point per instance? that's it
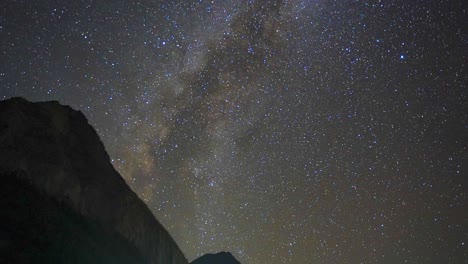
(282, 131)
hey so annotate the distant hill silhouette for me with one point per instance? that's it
(61, 200)
(219, 258)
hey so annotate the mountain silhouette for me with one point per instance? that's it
(61, 200)
(218, 258)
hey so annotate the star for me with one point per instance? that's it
(281, 131)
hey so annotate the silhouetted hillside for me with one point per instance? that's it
(37, 229)
(61, 199)
(218, 258)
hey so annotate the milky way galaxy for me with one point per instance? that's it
(282, 131)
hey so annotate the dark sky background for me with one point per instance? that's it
(283, 131)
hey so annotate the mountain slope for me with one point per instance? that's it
(35, 228)
(54, 149)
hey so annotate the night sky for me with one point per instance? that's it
(282, 131)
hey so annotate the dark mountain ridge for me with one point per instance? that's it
(37, 229)
(59, 180)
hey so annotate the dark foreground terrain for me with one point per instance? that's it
(37, 229)
(61, 201)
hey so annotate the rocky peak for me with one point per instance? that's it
(61, 155)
